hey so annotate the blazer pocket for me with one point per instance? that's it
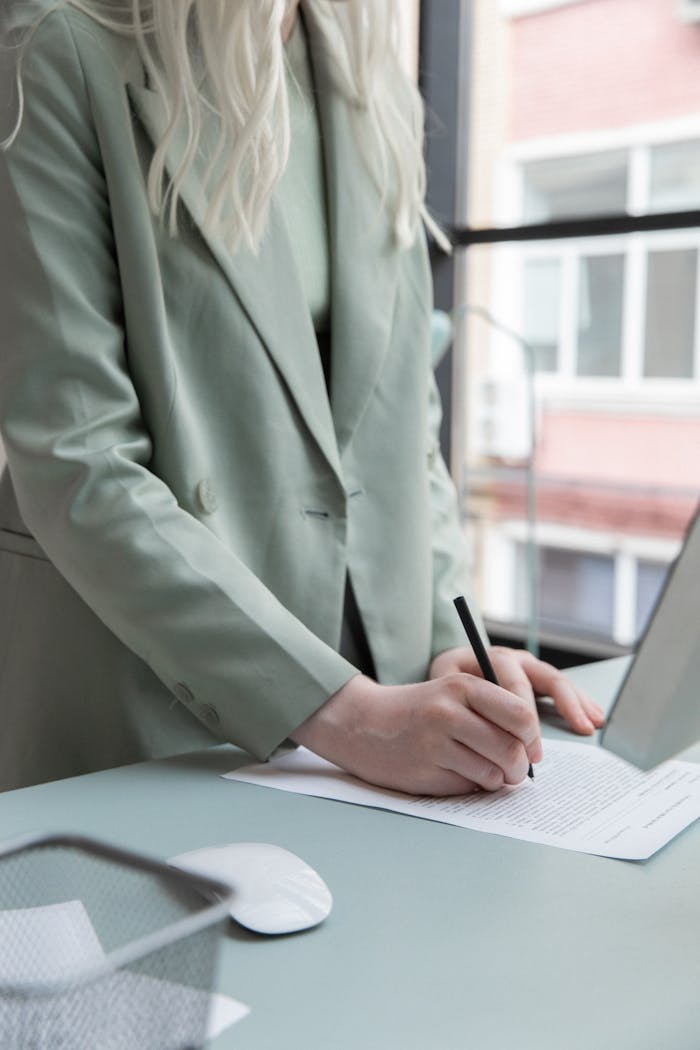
(20, 543)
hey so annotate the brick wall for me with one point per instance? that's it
(601, 64)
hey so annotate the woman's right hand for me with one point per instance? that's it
(447, 736)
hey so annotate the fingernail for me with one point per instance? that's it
(585, 725)
(535, 752)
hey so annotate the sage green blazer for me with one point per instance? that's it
(183, 500)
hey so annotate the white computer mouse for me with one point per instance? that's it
(275, 891)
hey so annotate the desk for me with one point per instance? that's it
(440, 938)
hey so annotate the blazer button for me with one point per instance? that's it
(183, 693)
(209, 714)
(207, 496)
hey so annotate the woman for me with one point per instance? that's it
(226, 516)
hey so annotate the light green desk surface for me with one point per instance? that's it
(440, 938)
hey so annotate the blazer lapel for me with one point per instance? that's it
(266, 285)
(364, 258)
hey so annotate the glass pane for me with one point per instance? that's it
(574, 109)
(670, 314)
(606, 460)
(569, 187)
(541, 295)
(600, 289)
(577, 591)
(675, 176)
(650, 579)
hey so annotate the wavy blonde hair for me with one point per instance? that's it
(224, 60)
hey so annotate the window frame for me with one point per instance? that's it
(446, 60)
(626, 551)
(638, 142)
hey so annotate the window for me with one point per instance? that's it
(650, 579)
(576, 590)
(542, 282)
(577, 396)
(669, 344)
(599, 315)
(595, 596)
(675, 176)
(614, 286)
(567, 187)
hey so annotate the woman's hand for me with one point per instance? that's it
(447, 736)
(523, 674)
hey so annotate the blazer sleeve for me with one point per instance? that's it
(78, 450)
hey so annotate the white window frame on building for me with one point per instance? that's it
(505, 562)
(635, 249)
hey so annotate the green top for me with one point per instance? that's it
(302, 189)
(303, 199)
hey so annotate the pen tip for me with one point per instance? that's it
(531, 772)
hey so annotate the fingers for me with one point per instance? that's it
(446, 781)
(441, 737)
(487, 755)
(506, 710)
(579, 710)
(510, 672)
(593, 710)
(451, 734)
(519, 672)
(495, 723)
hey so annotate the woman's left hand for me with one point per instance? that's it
(522, 673)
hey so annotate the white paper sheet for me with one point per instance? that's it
(223, 1012)
(582, 798)
(43, 944)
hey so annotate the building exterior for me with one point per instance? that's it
(583, 355)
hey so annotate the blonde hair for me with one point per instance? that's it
(224, 60)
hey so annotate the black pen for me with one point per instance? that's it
(479, 650)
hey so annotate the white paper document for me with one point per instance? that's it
(223, 1012)
(44, 944)
(56, 943)
(582, 798)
